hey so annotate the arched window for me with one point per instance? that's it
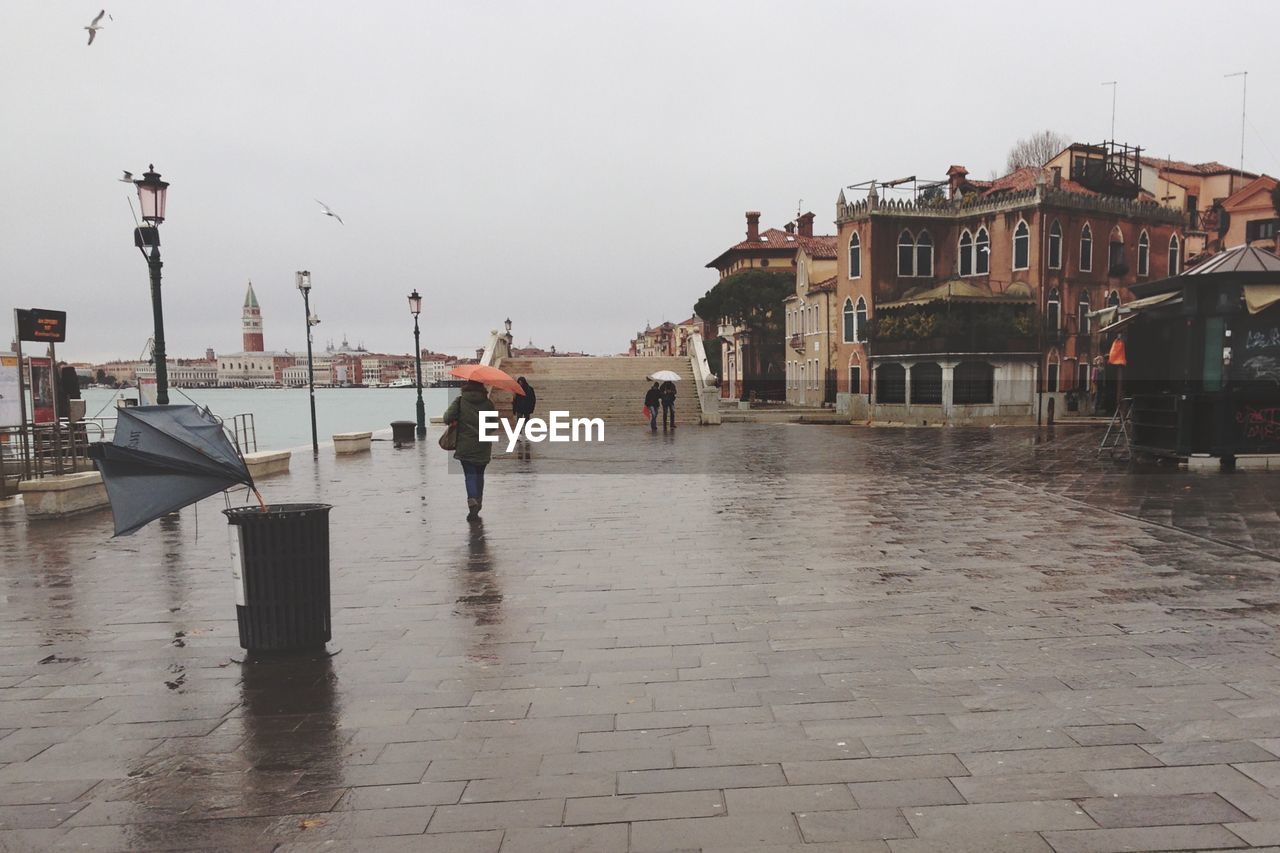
(891, 383)
(1053, 311)
(1083, 313)
(974, 383)
(1175, 255)
(1086, 249)
(855, 375)
(1055, 246)
(850, 323)
(1113, 299)
(924, 254)
(1144, 254)
(802, 375)
(1051, 374)
(906, 254)
(1021, 246)
(982, 252)
(926, 383)
(860, 318)
(855, 255)
(1115, 254)
(966, 252)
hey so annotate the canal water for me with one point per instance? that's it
(282, 415)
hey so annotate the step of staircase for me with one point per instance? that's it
(610, 388)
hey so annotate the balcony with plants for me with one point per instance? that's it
(954, 328)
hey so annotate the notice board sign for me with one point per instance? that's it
(41, 325)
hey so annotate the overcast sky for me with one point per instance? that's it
(572, 165)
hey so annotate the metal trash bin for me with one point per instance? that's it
(280, 560)
(402, 432)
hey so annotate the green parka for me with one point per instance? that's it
(466, 409)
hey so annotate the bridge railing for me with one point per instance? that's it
(704, 380)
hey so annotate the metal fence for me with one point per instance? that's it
(52, 449)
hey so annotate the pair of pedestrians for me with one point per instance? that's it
(661, 394)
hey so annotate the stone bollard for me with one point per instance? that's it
(345, 443)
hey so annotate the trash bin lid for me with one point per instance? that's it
(254, 514)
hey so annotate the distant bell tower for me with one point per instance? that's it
(252, 322)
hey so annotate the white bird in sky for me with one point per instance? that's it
(324, 208)
(128, 177)
(96, 24)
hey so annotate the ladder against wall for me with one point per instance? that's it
(1119, 432)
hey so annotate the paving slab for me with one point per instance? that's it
(989, 638)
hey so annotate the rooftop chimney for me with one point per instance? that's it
(790, 227)
(956, 176)
(753, 225)
(1057, 177)
(806, 225)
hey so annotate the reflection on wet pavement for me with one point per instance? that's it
(774, 637)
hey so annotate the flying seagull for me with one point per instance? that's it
(128, 177)
(96, 24)
(324, 208)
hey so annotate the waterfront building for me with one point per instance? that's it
(971, 303)
(184, 372)
(384, 369)
(757, 367)
(296, 375)
(123, 372)
(345, 366)
(436, 367)
(810, 326)
(254, 369)
(251, 320)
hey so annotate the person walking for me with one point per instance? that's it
(522, 407)
(668, 403)
(652, 400)
(474, 454)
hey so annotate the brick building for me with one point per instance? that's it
(972, 305)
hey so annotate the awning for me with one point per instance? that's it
(1113, 317)
(1260, 297)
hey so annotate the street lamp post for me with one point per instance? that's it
(415, 308)
(151, 197)
(303, 278)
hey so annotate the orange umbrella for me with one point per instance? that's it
(487, 375)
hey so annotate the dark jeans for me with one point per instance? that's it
(653, 416)
(474, 476)
(668, 411)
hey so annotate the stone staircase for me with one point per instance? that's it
(611, 388)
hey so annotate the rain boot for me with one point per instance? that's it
(473, 509)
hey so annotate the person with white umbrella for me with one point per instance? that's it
(667, 389)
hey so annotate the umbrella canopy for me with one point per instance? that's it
(664, 376)
(162, 459)
(487, 375)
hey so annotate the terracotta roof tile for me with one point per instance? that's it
(819, 248)
(1212, 167)
(1025, 179)
(827, 284)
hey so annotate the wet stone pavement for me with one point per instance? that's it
(747, 638)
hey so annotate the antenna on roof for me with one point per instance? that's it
(1114, 84)
(1244, 103)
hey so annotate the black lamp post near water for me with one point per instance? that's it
(415, 308)
(151, 197)
(303, 278)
